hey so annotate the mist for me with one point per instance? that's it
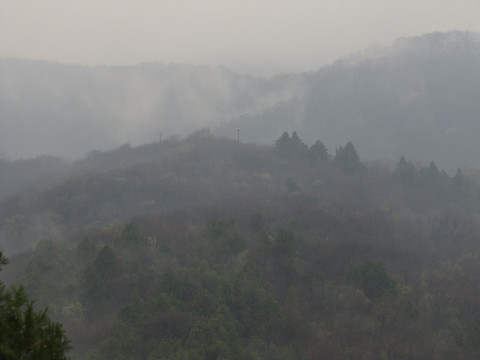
(416, 97)
(57, 109)
(258, 38)
(240, 180)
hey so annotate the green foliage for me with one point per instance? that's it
(430, 176)
(216, 338)
(472, 341)
(45, 273)
(200, 135)
(458, 181)
(291, 185)
(124, 347)
(3, 260)
(86, 250)
(253, 304)
(405, 172)
(347, 158)
(203, 303)
(92, 290)
(411, 311)
(297, 145)
(132, 311)
(285, 243)
(317, 152)
(223, 240)
(257, 222)
(131, 238)
(291, 145)
(26, 333)
(371, 277)
(106, 263)
(283, 142)
(245, 289)
(46, 253)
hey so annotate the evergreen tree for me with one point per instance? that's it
(459, 184)
(92, 291)
(297, 146)
(106, 263)
(371, 277)
(131, 238)
(462, 187)
(283, 143)
(458, 180)
(431, 177)
(406, 173)
(432, 170)
(24, 332)
(347, 158)
(318, 151)
(291, 145)
(86, 250)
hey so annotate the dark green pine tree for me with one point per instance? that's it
(431, 177)
(24, 332)
(347, 158)
(297, 146)
(318, 152)
(472, 340)
(291, 145)
(371, 277)
(283, 143)
(405, 173)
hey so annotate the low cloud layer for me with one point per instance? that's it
(259, 37)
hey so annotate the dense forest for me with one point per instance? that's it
(208, 248)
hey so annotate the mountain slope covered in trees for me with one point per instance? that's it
(420, 98)
(206, 248)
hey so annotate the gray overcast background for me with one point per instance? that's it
(260, 37)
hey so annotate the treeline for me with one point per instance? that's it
(423, 181)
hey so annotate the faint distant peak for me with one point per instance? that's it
(439, 42)
(431, 44)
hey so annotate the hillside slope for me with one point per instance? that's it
(68, 110)
(420, 98)
(206, 248)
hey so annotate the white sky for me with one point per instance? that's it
(250, 36)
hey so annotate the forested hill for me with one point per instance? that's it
(207, 248)
(419, 97)
(59, 198)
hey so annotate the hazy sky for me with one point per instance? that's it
(250, 36)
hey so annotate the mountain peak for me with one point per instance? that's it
(427, 45)
(439, 42)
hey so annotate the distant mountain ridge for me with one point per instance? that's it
(419, 97)
(69, 110)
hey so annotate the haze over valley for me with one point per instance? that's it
(417, 97)
(239, 180)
